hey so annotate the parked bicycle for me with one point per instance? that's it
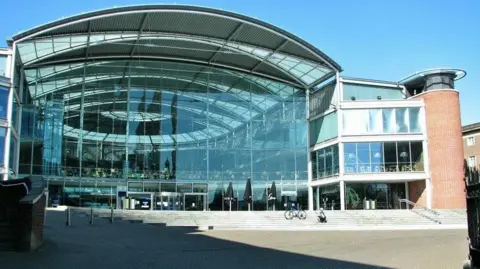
(292, 213)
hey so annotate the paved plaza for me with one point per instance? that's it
(134, 245)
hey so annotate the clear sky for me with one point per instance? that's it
(378, 39)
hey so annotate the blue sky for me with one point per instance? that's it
(379, 39)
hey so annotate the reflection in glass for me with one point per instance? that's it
(3, 102)
(390, 155)
(375, 121)
(389, 125)
(355, 121)
(313, 159)
(363, 157)
(376, 157)
(403, 150)
(415, 120)
(321, 163)
(2, 144)
(417, 156)
(374, 195)
(173, 123)
(401, 115)
(350, 157)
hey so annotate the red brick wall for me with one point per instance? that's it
(417, 192)
(445, 148)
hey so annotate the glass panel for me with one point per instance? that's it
(390, 155)
(313, 159)
(3, 102)
(2, 144)
(321, 163)
(415, 120)
(363, 153)
(328, 161)
(350, 157)
(3, 66)
(336, 164)
(330, 197)
(376, 157)
(355, 121)
(417, 156)
(404, 162)
(375, 121)
(402, 120)
(323, 128)
(352, 92)
(389, 125)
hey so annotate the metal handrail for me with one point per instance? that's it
(416, 206)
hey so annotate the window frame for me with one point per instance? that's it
(471, 141)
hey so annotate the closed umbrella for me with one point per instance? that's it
(229, 195)
(247, 196)
(273, 194)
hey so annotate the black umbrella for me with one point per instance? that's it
(273, 194)
(247, 196)
(229, 193)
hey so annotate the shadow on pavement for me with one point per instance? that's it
(129, 245)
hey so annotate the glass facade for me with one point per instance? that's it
(374, 195)
(323, 128)
(378, 157)
(357, 92)
(171, 123)
(325, 162)
(3, 65)
(382, 121)
(3, 102)
(2, 145)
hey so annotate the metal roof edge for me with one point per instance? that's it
(148, 7)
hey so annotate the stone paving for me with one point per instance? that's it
(133, 245)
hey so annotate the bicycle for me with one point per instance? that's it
(291, 213)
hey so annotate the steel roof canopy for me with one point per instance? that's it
(192, 34)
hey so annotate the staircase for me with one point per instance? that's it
(269, 220)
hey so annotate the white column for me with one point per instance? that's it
(310, 198)
(428, 189)
(309, 159)
(318, 197)
(342, 195)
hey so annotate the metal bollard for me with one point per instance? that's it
(111, 215)
(91, 215)
(69, 222)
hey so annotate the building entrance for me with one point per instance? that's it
(195, 202)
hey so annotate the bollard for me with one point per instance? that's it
(91, 215)
(111, 215)
(68, 223)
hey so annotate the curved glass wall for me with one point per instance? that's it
(165, 122)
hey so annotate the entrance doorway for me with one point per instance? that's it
(168, 201)
(195, 202)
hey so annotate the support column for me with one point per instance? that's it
(318, 198)
(428, 189)
(342, 195)
(310, 198)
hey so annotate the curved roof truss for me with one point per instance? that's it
(177, 33)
